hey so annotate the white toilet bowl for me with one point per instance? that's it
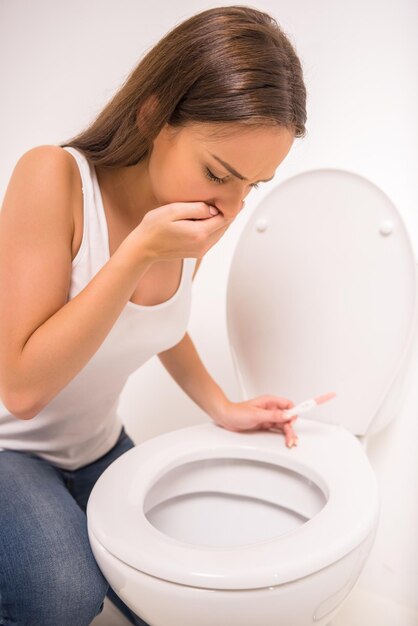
(205, 526)
(203, 508)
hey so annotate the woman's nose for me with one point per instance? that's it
(237, 208)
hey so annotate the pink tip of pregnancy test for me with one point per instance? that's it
(325, 397)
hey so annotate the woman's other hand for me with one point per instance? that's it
(261, 413)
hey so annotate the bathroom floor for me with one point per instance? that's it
(361, 607)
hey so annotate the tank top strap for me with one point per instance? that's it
(95, 240)
(83, 166)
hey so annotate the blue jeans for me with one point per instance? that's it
(48, 574)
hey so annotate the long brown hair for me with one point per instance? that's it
(224, 65)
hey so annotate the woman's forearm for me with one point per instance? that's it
(183, 363)
(58, 349)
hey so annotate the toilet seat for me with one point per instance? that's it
(116, 515)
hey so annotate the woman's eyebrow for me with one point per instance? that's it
(234, 172)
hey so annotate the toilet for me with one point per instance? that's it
(203, 526)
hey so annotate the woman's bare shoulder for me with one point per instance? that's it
(42, 187)
(49, 159)
(46, 171)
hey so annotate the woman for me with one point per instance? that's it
(99, 238)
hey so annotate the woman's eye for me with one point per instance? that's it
(219, 181)
(212, 176)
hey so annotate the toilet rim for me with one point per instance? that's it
(117, 520)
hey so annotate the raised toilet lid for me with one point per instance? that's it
(322, 295)
(328, 455)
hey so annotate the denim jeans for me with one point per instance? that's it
(48, 574)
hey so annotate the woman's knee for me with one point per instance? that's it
(48, 576)
(67, 591)
(79, 589)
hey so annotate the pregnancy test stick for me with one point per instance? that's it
(308, 404)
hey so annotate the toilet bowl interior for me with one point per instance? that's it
(231, 501)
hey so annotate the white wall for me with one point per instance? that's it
(60, 62)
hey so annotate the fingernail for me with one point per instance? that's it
(213, 210)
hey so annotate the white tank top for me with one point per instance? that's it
(82, 423)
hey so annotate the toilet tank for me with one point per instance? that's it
(322, 296)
